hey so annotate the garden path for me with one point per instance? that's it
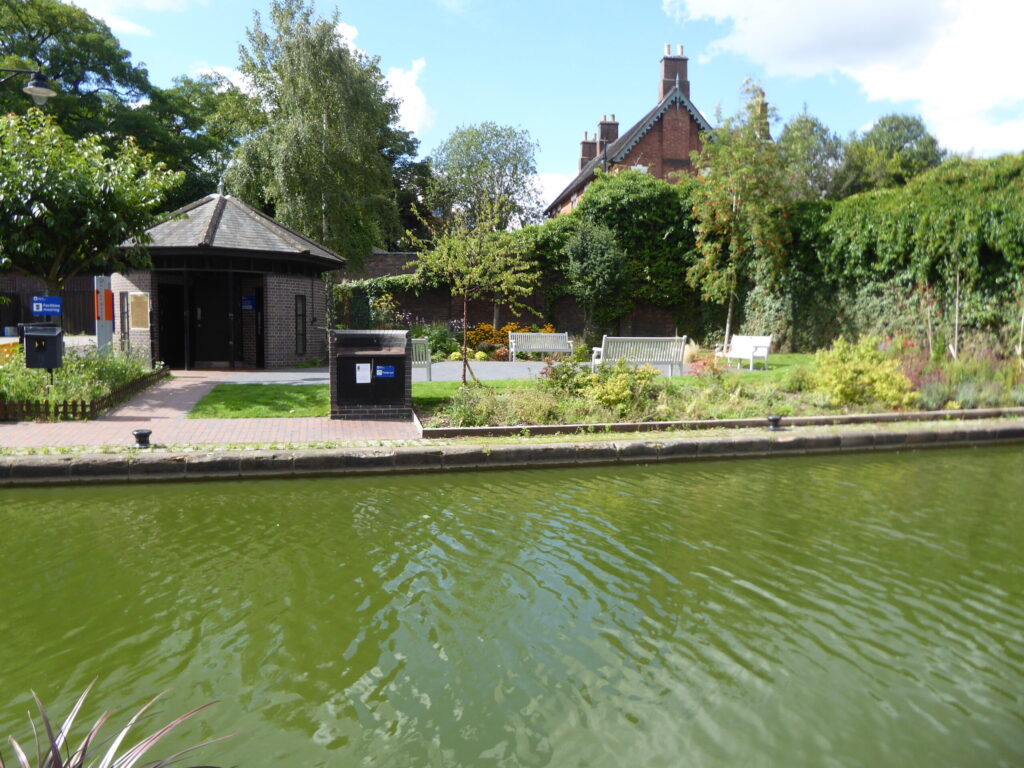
(163, 408)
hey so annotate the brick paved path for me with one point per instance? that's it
(162, 408)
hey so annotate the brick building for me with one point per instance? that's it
(661, 142)
(230, 287)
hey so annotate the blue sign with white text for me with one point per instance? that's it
(45, 305)
(248, 303)
(385, 372)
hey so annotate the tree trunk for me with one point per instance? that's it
(728, 318)
(955, 346)
(465, 328)
(494, 317)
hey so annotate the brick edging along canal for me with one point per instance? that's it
(528, 454)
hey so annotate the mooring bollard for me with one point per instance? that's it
(142, 437)
(773, 423)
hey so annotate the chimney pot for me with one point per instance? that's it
(668, 49)
(680, 50)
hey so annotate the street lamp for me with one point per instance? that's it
(38, 86)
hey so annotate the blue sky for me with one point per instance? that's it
(555, 67)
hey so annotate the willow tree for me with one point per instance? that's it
(739, 224)
(66, 206)
(321, 153)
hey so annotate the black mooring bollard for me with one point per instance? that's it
(773, 423)
(142, 437)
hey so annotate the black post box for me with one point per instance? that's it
(371, 375)
(44, 345)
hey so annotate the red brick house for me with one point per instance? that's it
(660, 142)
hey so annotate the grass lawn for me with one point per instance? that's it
(262, 401)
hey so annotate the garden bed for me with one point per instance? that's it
(87, 385)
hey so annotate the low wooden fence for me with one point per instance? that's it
(44, 410)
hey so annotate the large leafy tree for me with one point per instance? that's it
(322, 159)
(66, 205)
(650, 219)
(741, 233)
(102, 92)
(896, 149)
(595, 269)
(484, 171)
(813, 157)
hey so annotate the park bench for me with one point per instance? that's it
(555, 343)
(421, 355)
(748, 348)
(642, 350)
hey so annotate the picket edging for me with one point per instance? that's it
(44, 410)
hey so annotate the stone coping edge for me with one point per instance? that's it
(442, 433)
(147, 467)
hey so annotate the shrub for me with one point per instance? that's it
(501, 353)
(83, 376)
(620, 388)
(799, 378)
(481, 355)
(857, 374)
(456, 355)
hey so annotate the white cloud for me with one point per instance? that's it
(955, 59)
(550, 184)
(347, 34)
(231, 74)
(414, 113)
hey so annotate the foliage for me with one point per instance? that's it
(651, 223)
(57, 745)
(66, 206)
(485, 333)
(83, 376)
(812, 157)
(440, 338)
(101, 92)
(857, 374)
(323, 158)
(370, 303)
(740, 227)
(895, 150)
(594, 268)
(486, 172)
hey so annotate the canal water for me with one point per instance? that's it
(815, 611)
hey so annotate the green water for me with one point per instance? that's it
(839, 611)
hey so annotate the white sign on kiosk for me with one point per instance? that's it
(362, 373)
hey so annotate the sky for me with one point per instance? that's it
(555, 67)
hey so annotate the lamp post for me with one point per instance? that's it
(38, 86)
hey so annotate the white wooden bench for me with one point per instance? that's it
(642, 350)
(747, 348)
(421, 355)
(555, 343)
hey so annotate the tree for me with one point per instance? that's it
(651, 221)
(812, 156)
(484, 169)
(478, 261)
(66, 206)
(739, 225)
(895, 150)
(101, 92)
(595, 267)
(323, 160)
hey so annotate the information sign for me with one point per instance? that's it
(385, 372)
(45, 305)
(248, 303)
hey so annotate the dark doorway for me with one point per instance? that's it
(171, 325)
(210, 326)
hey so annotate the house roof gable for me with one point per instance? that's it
(618, 149)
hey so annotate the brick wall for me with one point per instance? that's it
(143, 342)
(251, 285)
(279, 330)
(667, 146)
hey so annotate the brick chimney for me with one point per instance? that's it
(588, 149)
(673, 68)
(607, 132)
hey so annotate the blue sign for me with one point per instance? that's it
(249, 303)
(45, 305)
(385, 372)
